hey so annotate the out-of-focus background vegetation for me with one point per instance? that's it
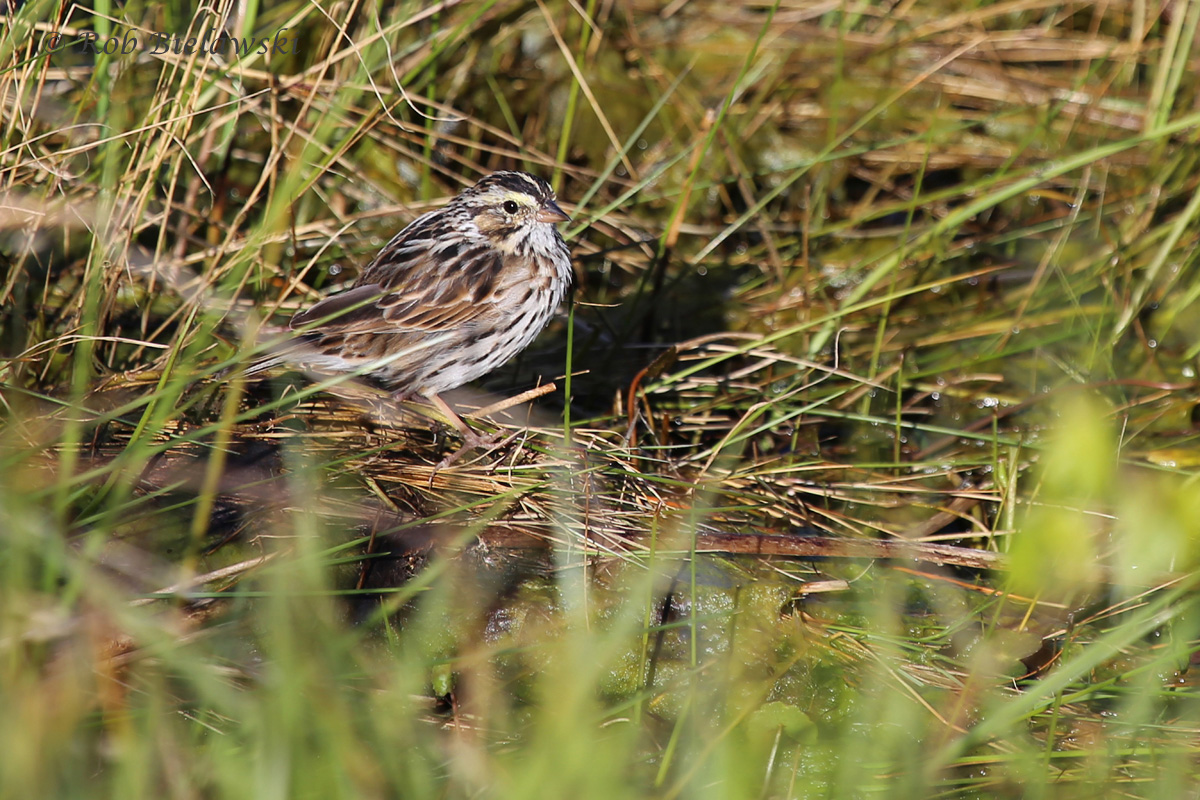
(868, 468)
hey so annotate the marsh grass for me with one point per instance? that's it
(867, 470)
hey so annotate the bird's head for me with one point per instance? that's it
(516, 211)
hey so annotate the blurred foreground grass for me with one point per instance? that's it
(869, 467)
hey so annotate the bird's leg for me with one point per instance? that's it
(471, 439)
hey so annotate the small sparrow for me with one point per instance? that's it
(457, 293)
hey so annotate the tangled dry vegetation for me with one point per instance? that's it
(826, 272)
(756, 257)
(837, 268)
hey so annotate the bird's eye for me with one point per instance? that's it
(510, 206)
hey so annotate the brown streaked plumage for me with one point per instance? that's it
(454, 295)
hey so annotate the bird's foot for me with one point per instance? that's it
(471, 441)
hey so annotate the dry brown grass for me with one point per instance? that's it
(840, 270)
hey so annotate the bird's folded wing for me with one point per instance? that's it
(416, 284)
(372, 309)
(344, 311)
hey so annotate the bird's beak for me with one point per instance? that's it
(550, 212)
